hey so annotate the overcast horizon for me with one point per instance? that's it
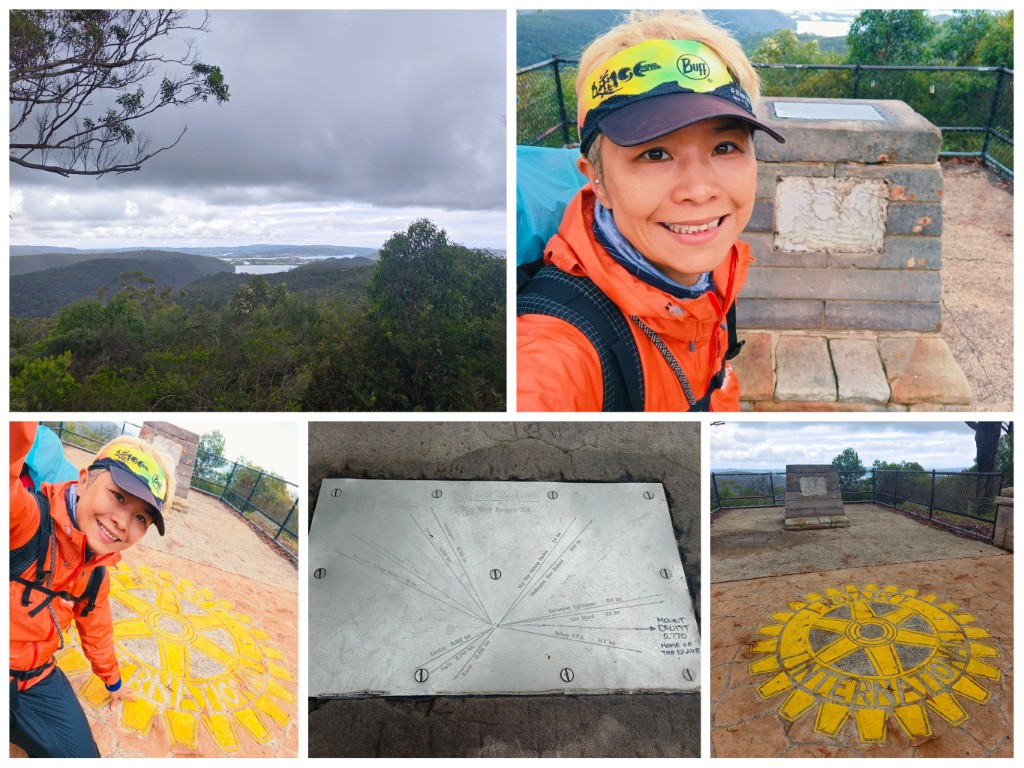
(342, 128)
(773, 445)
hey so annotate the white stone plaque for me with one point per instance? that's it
(430, 587)
(813, 486)
(825, 214)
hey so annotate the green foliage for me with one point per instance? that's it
(889, 37)
(210, 454)
(902, 466)
(423, 330)
(850, 469)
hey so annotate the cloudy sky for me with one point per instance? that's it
(273, 445)
(342, 127)
(759, 445)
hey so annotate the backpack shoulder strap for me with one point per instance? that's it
(92, 588)
(734, 344)
(34, 550)
(579, 302)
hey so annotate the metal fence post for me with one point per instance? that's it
(561, 101)
(287, 517)
(992, 113)
(771, 484)
(231, 476)
(251, 492)
(895, 490)
(931, 501)
(873, 486)
(856, 80)
(714, 485)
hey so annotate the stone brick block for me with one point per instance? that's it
(843, 284)
(762, 219)
(768, 174)
(910, 183)
(882, 316)
(773, 406)
(754, 367)
(899, 252)
(803, 369)
(788, 314)
(859, 373)
(921, 369)
(904, 137)
(914, 219)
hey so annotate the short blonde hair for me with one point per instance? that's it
(161, 458)
(640, 26)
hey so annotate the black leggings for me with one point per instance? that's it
(47, 720)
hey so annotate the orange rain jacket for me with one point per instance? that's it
(558, 368)
(34, 640)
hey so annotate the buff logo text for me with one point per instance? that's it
(693, 67)
(611, 80)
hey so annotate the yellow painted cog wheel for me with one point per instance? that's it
(878, 654)
(191, 660)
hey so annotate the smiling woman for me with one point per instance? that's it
(666, 120)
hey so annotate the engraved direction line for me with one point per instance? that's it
(455, 550)
(586, 626)
(377, 568)
(478, 654)
(543, 560)
(452, 651)
(593, 609)
(447, 564)
(537, 579)
(574, 640)
(399, 563)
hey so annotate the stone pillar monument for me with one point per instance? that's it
(180, 444)
(813, 498)
(1003, 537)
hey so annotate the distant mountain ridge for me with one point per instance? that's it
(262, 250)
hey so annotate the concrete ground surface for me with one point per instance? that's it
(636, 725)
(206, 622)
(751, 543)
(874, 648)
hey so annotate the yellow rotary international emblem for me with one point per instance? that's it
(878, 653)
(189, 658)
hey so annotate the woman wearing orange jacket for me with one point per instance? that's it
(59, 537)
(666, 135)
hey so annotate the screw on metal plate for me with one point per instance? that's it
(665, 573)
(421, 675)
(319, 573)
(648, 495)
(336, 492)
(688, 675)
(552, 495)
(495, 574)
(436, 494)
(566, 675)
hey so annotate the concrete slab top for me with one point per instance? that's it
(445, 587)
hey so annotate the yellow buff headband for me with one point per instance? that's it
(657, 87)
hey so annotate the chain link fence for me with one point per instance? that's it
(972, 106)
(267, 502)
(963, 501)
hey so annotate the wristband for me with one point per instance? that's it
(115, 687)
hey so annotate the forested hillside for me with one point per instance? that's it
(424, 330)
(42, 284)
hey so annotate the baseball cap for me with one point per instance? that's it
(656, 87)
(137, 473)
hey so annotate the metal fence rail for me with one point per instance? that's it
(268, 502)
(963, 501)
(972, 106)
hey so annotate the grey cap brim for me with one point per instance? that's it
(659, 116)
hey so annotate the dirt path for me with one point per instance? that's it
(977, 281)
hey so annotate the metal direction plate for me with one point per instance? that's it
(803, 110)
(430, 587)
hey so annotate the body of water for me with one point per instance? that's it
(262, 269)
